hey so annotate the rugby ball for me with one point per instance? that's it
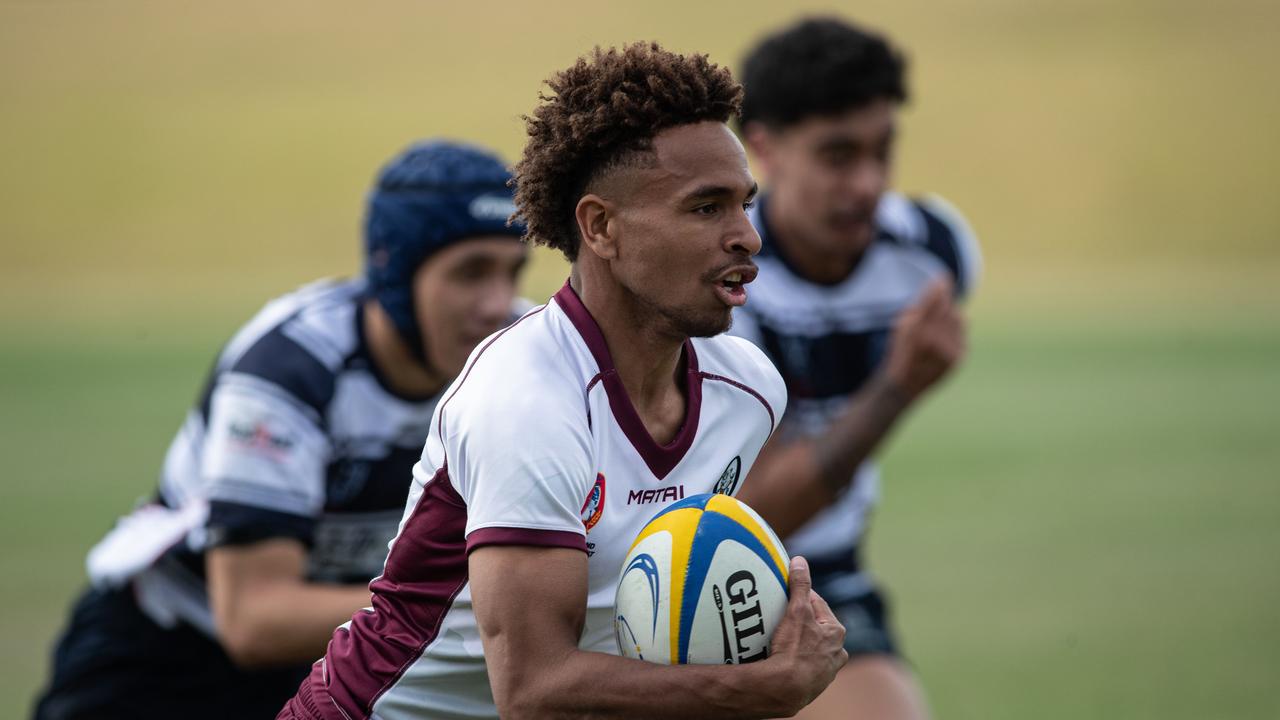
(704, 583)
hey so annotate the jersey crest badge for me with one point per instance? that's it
(593, 508)
(728, 481)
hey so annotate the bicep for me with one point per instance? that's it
(530, 605)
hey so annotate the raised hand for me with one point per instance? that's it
(929, 339)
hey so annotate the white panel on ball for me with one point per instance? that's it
(705, 582)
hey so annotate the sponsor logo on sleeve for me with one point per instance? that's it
(261, 438)
(593, 508)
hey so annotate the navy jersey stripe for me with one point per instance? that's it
(941, 240)
(234, 524)
(825, 366)
(355, 484)
(278, 359)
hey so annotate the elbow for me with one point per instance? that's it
(527, 697)
(248, 647)
(522, 702)
(527, 707)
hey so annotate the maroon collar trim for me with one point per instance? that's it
(661, 459)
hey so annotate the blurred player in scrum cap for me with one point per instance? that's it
(283, 487)
(856, 305)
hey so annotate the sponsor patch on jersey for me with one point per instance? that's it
(260, 437)
(351, 547)
(593, 508)
(728, 481)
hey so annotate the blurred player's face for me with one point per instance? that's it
(462, 294)
(825, 175)
(684, 243)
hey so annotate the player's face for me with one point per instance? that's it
(684, 240)
(826, 174)
(462, 294)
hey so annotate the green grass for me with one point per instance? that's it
(1079, 525)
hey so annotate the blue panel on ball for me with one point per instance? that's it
(713, 529)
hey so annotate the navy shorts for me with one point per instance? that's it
(114, 662)
(858, 603)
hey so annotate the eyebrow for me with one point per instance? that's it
(847, 141)
(713, 191)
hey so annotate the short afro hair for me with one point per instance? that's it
(819, 66)
(605, 109)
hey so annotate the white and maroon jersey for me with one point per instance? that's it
(536, 443)
(827, 340)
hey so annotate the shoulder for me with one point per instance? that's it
(932, 225)
(521, 377)
(739, 363)
(297, 343)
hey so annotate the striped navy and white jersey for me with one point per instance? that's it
(295, 436)
(826, 340)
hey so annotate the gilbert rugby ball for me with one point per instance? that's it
(704, 583)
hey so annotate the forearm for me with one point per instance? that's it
(594, 685)
(792, 482)
(289, 622)
(265, 611)
(858, 431)
(536, 669)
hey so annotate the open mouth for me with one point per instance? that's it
(732, 289)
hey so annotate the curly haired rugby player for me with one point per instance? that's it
(497, 597)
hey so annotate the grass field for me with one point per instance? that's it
(1080, 525)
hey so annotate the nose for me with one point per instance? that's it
(495, 301)
(743, 238)
(866, 180)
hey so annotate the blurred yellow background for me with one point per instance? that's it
(1081, 525)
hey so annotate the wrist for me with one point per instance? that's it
(891, 392)
(771, 685)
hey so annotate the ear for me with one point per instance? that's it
(594, 215)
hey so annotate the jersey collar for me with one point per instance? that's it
(661, 459)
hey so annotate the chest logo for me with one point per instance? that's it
(662, 495)
(593, 508)
(728, 481)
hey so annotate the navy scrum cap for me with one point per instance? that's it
(433, 194)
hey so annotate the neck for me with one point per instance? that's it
(810, 260)
(646, 351)
(403, 371)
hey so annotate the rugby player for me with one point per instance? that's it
(497, 596)
(286, 482)
(855, 305)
